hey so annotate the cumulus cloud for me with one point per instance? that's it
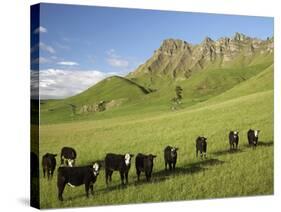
(68, 63)
(58, 83)
(44, 47)
(40, 29)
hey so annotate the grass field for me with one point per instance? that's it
(222, 174)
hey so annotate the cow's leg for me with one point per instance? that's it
(48, 173)
(44, 172)
(148, 176)
(201, 155)
(87, 187)
(126, 176)
(138, 174)
(92, 188)
(110, 176)
(170, 166)
(166, 165)
(205, 154)
(61, 186)
(106, 176)
(196, 152)
(174, 166)
(122, 177)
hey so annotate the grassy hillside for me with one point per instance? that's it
(132, 97)
(248, 172)
(116, 88)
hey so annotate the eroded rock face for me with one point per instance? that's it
(178, 59)
(173, 46)
(100, 106)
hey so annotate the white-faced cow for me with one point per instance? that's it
(170, 157)
(201, 146)
(49, 164)
(144, 163)
(77, 176)
(233, 140)
(253, 137)
(68, 156)
(117, 162)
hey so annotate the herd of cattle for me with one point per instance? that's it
(69, 174)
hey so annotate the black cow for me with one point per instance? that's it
(170, 157)
(116, 162)
(49, 164)
(68, 156)
(144, 163)
(76, 176)
(201, 146)
(233, 139)
(253, 137)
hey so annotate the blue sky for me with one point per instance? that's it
(106, 41)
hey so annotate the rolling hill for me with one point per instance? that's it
(203, 71)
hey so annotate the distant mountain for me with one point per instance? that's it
(212, 70)
(178, 60)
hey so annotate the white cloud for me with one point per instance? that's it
(40, 29)
(115, 60)
(58, 83)
(68, 63)
(119, 63)
(43, 46)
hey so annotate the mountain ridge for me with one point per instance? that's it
(204, 71)
(178, 60)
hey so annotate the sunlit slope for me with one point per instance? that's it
(221, 175)
(116, 89)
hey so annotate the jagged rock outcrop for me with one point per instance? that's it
(177, 59)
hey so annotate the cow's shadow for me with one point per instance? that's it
(114, 187)
(227, 151)
(191, 168)
(208, 162)
(261, 143)
(265, 143)
(154, 179)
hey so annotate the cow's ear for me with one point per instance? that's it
(176, 148)
(55, 155)
(154, 156)
(132, 155)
